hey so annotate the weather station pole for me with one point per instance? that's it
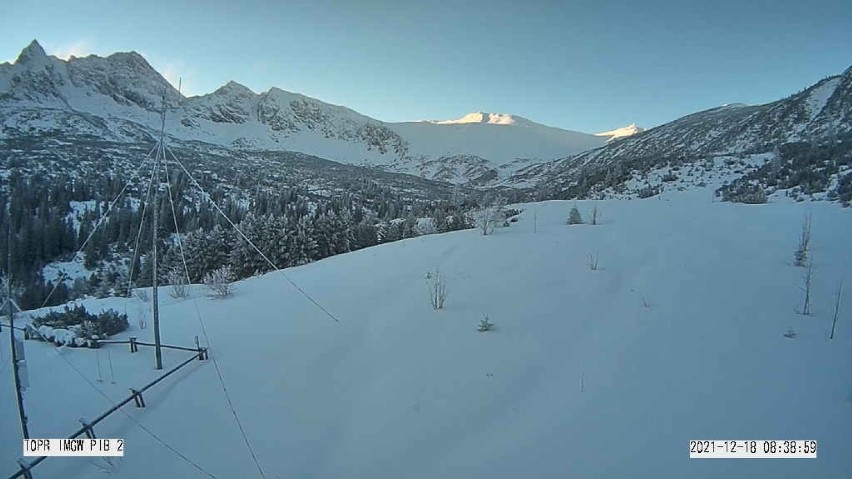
(161, 148)
(14, 343)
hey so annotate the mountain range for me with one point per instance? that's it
(119, 99)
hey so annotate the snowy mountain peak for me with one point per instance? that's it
(622, 132)
(130, 58)
(33, 53)
(484, 117)
(235, 89)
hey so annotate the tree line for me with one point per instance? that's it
(290, 226)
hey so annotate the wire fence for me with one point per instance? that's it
(87, 428)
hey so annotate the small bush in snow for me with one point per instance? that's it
(426, 226)
(142, 295)
(219, 281)
(745, 193)
(487, 217)
(836, 309)
(801, 254)
(66, 326)
(178, 288)
(142, 317)
(485, 325)
(574, 217)
(791, 333)
(595, 214)
(593, 262)
(807, 280)
(648, 191)
(437, 287)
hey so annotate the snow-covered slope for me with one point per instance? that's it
(118, 98)
(622, 132)
(484, 117)
(678, 335)
(503, 145)
(820, 114)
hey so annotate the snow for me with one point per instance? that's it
(705, 176)
(60, 336)
(622, 132)
(78, 209)
(118, 98)
(483, 117)
(678, 335)
(499, 144)
(69, 270)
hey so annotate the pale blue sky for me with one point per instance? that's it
(586, 66)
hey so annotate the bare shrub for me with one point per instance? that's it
(142, 315)
(593, 261)
(17, 289)
(489, 216)
(141, 294)
(595, 213)
(801, 254)
(485, 324)
(219, 282)
(437, 287)
(807, 279)
(178, 288)
(836, 309)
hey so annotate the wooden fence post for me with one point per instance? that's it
(25, 469)
(90, 433)
(133, 346)
(202, 352)
(137, 398)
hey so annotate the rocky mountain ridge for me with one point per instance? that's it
(119, 98)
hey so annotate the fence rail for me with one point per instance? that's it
(133, 342)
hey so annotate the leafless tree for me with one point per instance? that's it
(437, 287)
(489, 216)
(836, 309)
(178, 288)
(219, 282)
(142, 295)
(17, 289)
(801, 254)
(808, 280)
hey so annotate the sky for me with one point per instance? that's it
(586, 66)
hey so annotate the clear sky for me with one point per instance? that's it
(587, 66)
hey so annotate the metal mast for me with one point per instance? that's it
(15, 366)
(161, 152)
